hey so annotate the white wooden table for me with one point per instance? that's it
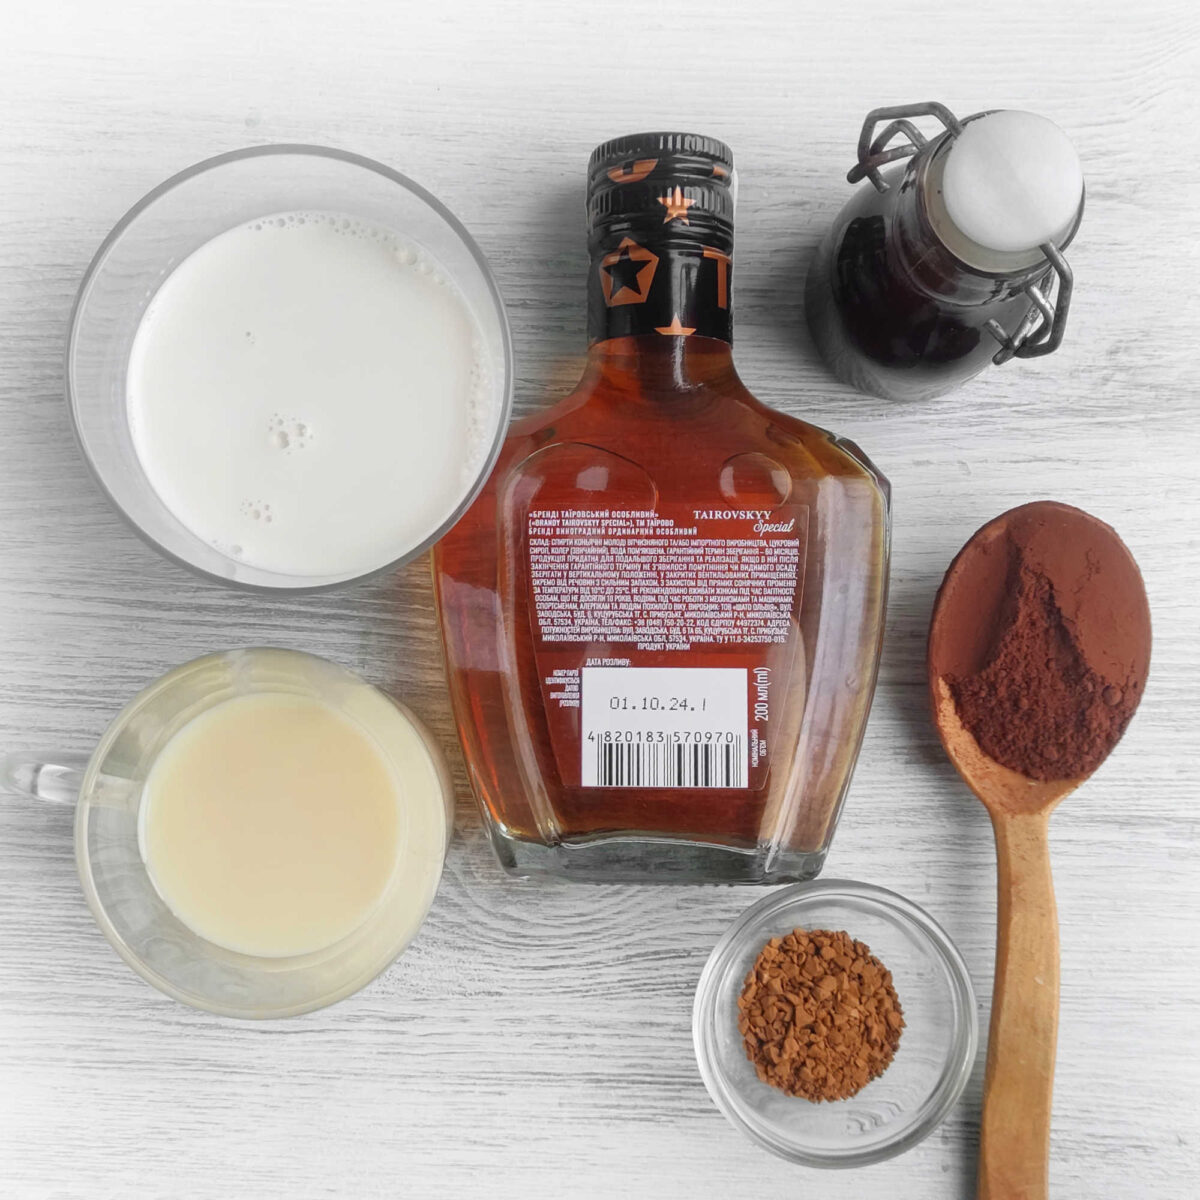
(535, 1041)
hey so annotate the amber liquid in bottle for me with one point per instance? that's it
(662, 615)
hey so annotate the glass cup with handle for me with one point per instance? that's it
(109, 790)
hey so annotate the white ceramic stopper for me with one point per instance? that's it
(1012, 181)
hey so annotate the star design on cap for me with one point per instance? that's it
(676, 327)
(676, 205)
(626, 273)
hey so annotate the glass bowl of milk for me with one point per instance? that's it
(290, 368)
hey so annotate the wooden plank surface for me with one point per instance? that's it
(535, 1041)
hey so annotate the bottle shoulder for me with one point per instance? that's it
(706, 426)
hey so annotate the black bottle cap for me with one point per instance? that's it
(662, 186)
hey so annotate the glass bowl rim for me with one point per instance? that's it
(896, 909)
(300, 149)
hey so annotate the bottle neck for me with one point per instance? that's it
(650, 368)
(927, 248)
(660, 287)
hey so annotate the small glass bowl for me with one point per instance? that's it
(933, 1061)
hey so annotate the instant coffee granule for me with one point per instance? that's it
(818, 1015)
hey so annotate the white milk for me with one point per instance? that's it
(271, 824)
(310, 395)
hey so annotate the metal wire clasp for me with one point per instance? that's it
(873, 154)
(1037, 337)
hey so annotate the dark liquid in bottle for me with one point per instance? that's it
(894, 313)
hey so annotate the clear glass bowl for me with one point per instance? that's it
(177, 218)
(932, 1064)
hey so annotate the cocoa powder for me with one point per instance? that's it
(818, 1015)
(1049, 653)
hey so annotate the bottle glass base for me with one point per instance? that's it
(653, 860)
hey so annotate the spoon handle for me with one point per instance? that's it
(1014, 1143)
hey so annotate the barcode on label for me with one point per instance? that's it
(662, 764)
(664, 727)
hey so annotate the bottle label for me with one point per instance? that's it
(665, 640)
(664, 727)
(668, 288)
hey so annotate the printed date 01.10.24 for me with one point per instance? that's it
(657, 704)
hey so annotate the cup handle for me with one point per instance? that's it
(55, 778)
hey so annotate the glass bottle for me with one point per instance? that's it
(662, 615)
(944, 265)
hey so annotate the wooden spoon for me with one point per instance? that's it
(1099, 589)
(1014, 1140)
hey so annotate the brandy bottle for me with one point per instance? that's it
(662, 615)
